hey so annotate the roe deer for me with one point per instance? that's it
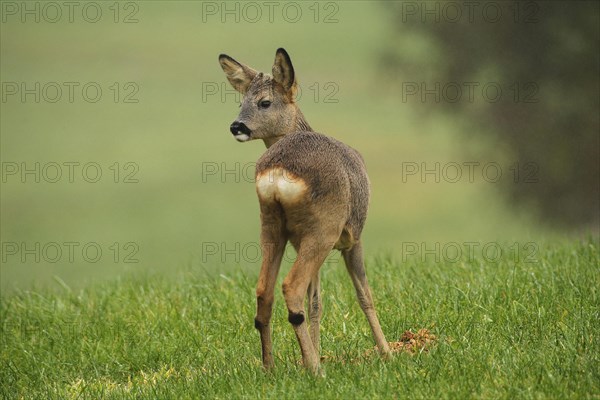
(313, 191)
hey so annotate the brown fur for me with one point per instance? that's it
(313, 191)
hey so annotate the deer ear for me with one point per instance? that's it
(283, 72)
(240, 76)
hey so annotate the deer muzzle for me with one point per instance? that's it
(240, 131)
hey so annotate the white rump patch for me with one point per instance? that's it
(279, 184)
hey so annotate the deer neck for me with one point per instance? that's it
(299, 124)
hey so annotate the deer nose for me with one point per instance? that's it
(239, 128)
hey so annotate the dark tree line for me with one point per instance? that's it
(545, 57)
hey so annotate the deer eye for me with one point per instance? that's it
(264, 104)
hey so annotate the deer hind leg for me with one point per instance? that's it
(315, 310)
(312, 252)
(273, 242)
(356, 268)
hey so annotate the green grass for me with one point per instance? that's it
(506, 329)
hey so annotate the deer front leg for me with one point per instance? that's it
(315, 310)
(273, 246)
(356, 269)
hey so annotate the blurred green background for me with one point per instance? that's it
(353, 60)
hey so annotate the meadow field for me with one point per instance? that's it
(508, 328)
(130, 222)
(172, 179)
